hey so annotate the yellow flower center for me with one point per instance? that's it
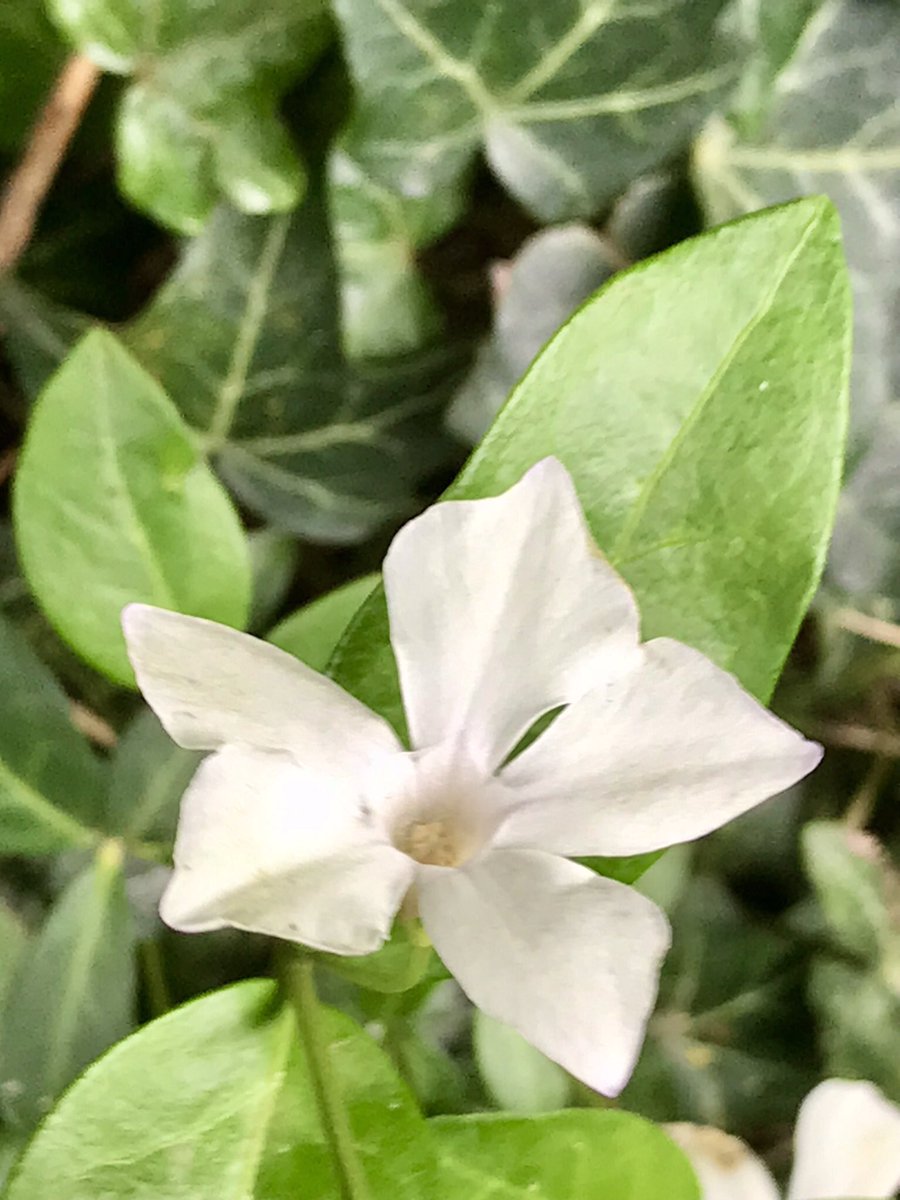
(431, 842)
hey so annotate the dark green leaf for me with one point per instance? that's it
(31, 53)
(149, 776)
(74, 994)
(562, 1156)
(38, 334)
(200, 118)
(233, 1113)
(114, 503)
(51, 785)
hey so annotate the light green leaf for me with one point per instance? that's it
(830, 123)
(312, 632)
(13, 940)
(51, 785)
(552, 274)
(569, 101)
(562, 1156)
(149, 776)
(200, 119)
(245, 338)
(114, 503)
(517, 1076)
(701, 356)
(74, 994)
(233, 1114)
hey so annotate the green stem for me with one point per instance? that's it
(348, 1168)
(155, 977)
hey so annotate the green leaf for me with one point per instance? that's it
(38, 334)
(859, 1023)
(562, 1156)
(401, 963)
(51, 785)
(200, 118)
(553, 273)
(114, 503)
(273, 559)
(829, 123)
(312, 632)
(701, 356)
(517, 1076)
(74, 994)
(13, 940)
(245, 338)
(233, 1113)
(30, 57)
(149, 776)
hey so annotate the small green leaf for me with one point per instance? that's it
(149, 776)
(114, 503)
(232, 1112)
(312, 632)
(702, 356)
(201, 117)
(51, 785)
(74, 994)
(399, 965)
(561, 1156)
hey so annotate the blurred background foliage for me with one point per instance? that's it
(327, 240)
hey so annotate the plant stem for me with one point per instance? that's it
(349, 1171)
(155, 977)
(54, 129)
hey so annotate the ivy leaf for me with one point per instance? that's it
(114, 503)
(569, 101)
(829, 123)
(74, 994)
(51, 785)
(702, 354)
(562, 1156)
(200, 118)
(245, 338)
(234, 1113)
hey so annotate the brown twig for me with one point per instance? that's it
(52, 132)
(92, 725)
(858, 737)
(873, 628)
(7, 464)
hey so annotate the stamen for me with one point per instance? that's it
(431, 842)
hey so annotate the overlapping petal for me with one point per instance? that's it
(267, 846)
(726, 1168)
(500, 610)
(846, 1143)
(212, 686)
(663, 754)
(566, 957)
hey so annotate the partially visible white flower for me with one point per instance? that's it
(846, 1147)
(311, 822)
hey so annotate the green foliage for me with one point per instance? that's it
(152, 525)
(200, 118)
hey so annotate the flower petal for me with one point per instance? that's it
(726, 1168)
(210, 685)
(266, 846)
(665, 754)
(501, 610)
(846, 1143)
(564, 956)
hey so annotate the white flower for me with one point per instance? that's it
(311, 822)
(846, 1144)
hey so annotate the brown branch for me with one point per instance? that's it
(858, 737)
(92, 726)
(50, 137)
(873, 628)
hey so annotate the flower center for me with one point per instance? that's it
(432, 842)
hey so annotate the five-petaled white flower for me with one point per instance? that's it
(846, 1143)
(312, 822)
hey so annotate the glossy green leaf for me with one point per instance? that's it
(702, 356)
(312, 632)
(562, 1156)
(829, 124)
(245, 338)
(569, 102)
(233, 1114)
(200, 118)
(74, 993)
(114, 503)
(51, 785)
(553, 273)
(149, 776)
(31, 54)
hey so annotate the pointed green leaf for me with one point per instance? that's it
(114, 503)
(312, 632)
(74, 993)
(51, 784)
